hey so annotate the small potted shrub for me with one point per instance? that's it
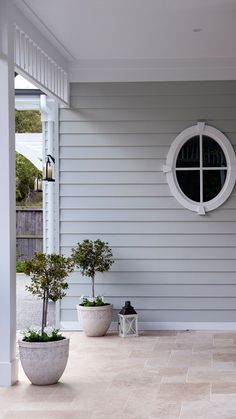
(43, 350)
(91, 257)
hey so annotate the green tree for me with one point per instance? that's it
(28, 121)
(25, 175)
(92, 257)
(48, 273)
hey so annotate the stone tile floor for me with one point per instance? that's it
(157, 375)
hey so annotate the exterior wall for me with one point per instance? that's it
(174, 265)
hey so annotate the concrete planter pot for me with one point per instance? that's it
(44, 362)
(95, 320)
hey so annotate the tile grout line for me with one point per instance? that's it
(186, 379)
(181, 408)
(211, 392)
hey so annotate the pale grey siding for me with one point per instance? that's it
(174, 265)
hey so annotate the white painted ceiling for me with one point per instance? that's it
(114, 30)
(105, 29)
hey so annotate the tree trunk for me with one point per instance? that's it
(93, 283)
(45, 311)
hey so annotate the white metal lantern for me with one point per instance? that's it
(48, 169)
(38, 184)
(128, 321)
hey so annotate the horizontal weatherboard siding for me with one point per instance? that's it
(153, 253)
(158, 114)
(123, 140)
(155, 240)
(162, 316)
(149, 227)
(144, 127)
(131, 215)
(124, 202)
(174, 265)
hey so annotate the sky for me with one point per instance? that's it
(21, 83)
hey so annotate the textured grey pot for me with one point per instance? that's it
(44, 362)
(95, 320)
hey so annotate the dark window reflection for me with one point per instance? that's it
(213, 155)
(213, 182)
(189, 154)
(189, 182)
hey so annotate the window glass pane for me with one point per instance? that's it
(189, 154)
(213, 155)
(213, 182)
(189, 183)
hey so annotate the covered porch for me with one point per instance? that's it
(120, 98)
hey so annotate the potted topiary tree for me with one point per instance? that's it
(92, 257)
(43, 350)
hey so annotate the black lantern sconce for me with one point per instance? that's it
(48, 169)
(38, 184)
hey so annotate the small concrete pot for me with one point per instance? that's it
(44, 362)
(95, 320)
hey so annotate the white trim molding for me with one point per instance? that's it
(159, 69)
(74, 326)
(30, 146)
(170, 169)
(8, 361)
(27, 103)
(34, 62)
(9, 373)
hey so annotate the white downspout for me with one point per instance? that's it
(48, 119)
(49, 116)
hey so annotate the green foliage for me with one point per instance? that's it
(20, 266)
(28, 121)
(92, 257)
(34, 335)
(25, 176)
(48, 273)
(98, 301)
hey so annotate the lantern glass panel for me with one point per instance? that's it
(130, 326)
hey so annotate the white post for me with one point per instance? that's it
(48, 116)
(8, 363)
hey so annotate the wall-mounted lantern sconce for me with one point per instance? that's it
(38, 184)
(48, 169)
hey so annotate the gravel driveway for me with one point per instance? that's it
(28, 307)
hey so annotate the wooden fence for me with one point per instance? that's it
(29, 231)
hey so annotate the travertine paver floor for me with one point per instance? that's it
(158, 375)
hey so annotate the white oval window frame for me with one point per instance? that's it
(170, 168)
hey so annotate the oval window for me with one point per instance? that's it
(201, 168)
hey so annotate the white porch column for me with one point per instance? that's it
(8, 363)
(49, 110)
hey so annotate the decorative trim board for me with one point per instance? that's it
(33, 62)
(74, 326)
